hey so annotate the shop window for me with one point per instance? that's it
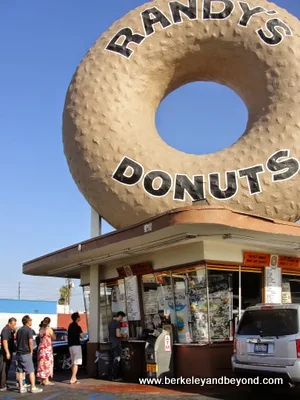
(179, 298)
(251, 283)
(290, 289)
(157, 299)
(221, 305)
(230, 293)
(190, 291)
(120, 295)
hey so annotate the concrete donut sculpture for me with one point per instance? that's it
(120, 163)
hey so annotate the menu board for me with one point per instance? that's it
(286, 293)
(118, 298)
(150, 302)
(132, 299)
(272, 285)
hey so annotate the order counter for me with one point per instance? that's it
(133, 360)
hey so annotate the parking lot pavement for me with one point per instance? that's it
(59, 392)
(88, 390)
(94, 389)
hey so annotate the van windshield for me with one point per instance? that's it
(269, 323)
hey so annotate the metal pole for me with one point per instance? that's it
(96, 224)
(69, 291)
(19, 291)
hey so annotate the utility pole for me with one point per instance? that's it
(19, 291)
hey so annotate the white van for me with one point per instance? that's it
(267, 343)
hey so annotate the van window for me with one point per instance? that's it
(269, 323)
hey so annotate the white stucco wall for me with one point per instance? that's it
(36, 320)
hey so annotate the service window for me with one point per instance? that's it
(290, 289)
(120, 295)
(157, 299)
(191, 304)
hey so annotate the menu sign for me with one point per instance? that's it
(142, 268)
(273, 285)
(288, 262)
(256, 259)
(136, 269)
(264, 260)
(286, 293)
(132, 299)
(150, 302)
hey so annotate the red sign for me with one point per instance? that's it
(167, 343)
(256, 259)
(136, 269)
(288, 262)
(142, 268)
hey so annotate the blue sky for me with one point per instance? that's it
(42, 210)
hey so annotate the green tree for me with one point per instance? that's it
(64, 292)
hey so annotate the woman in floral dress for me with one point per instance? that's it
(45, 352)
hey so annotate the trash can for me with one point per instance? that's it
(103, 358)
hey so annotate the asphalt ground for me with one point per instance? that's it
(60, 392)
(93, 389)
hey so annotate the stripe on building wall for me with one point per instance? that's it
(27, 307)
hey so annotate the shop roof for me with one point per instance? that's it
(178, 225)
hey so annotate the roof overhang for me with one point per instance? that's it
(179, 226)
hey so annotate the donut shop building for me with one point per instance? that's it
(195, 269)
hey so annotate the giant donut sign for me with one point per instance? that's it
(118, 160)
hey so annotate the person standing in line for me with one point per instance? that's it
(74, 335)
(45, 352)
(115, 337)
(7, 350)
(24, 355)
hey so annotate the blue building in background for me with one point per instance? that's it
(36, 309)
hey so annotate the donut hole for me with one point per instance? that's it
(201, 118)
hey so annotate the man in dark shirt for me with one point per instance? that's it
(7, 350)
(24, 355)
(115, 337)
(74, 335)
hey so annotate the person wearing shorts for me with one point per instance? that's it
(24, 360)
(74, 335)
